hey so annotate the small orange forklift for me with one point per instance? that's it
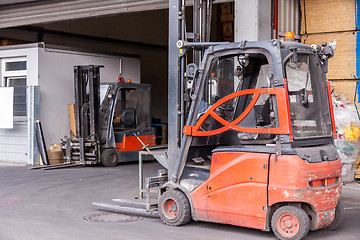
(105, 125)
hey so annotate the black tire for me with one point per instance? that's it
(109, 157)
(339, 217)
(290, 223)
(174, 208)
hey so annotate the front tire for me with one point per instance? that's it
(290, 223)
(174, 208)
(110, 157)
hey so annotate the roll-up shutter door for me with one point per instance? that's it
(27, 12)
(51, 11)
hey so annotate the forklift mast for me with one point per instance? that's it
(178, 95)
(87, 101)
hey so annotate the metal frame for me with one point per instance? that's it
(284, 124)
(33, 113)
(173, 83)
(148, 152)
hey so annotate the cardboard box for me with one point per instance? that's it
(55, 156)
(55, 146)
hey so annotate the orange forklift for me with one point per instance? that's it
(257, 143)
(258, 146)
(108, 124)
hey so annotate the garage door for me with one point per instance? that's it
(34, 12)
(26, 12)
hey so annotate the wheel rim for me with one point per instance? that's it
(288, 225)
(112, 158)
(170, 208)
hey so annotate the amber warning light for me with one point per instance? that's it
(289, 36)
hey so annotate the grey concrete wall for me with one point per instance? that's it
(56, 80)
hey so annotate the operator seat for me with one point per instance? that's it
(128, 118)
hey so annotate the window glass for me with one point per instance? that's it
(19, 85)
(15, 66)
(232, 74)
(220, 82)
(309, 105)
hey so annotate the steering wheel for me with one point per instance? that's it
(226, 107)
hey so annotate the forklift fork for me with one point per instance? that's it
(142, 206)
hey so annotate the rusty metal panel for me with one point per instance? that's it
(289, 17)
(35, 12)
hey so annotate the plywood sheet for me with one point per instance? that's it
(71, 108)
(343, 64)
(328, 16)
(346, 88)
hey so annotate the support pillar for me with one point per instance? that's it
(252, 20)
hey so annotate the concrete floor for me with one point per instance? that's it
(38, 204)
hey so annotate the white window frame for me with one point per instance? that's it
(13, 74)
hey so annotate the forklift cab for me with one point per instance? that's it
(227, 76)
(132, 104)
(253, 106)
(258, 146)
(126, 111)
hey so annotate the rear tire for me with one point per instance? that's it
(110, 157)
(339, 217)
(290, 223)
(174, 208)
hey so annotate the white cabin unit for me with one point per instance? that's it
(42, 78)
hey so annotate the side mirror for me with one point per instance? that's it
(328, 51)
(244, 60)
(192, 70)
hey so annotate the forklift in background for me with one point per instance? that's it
(257, 143)
(107, 126)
